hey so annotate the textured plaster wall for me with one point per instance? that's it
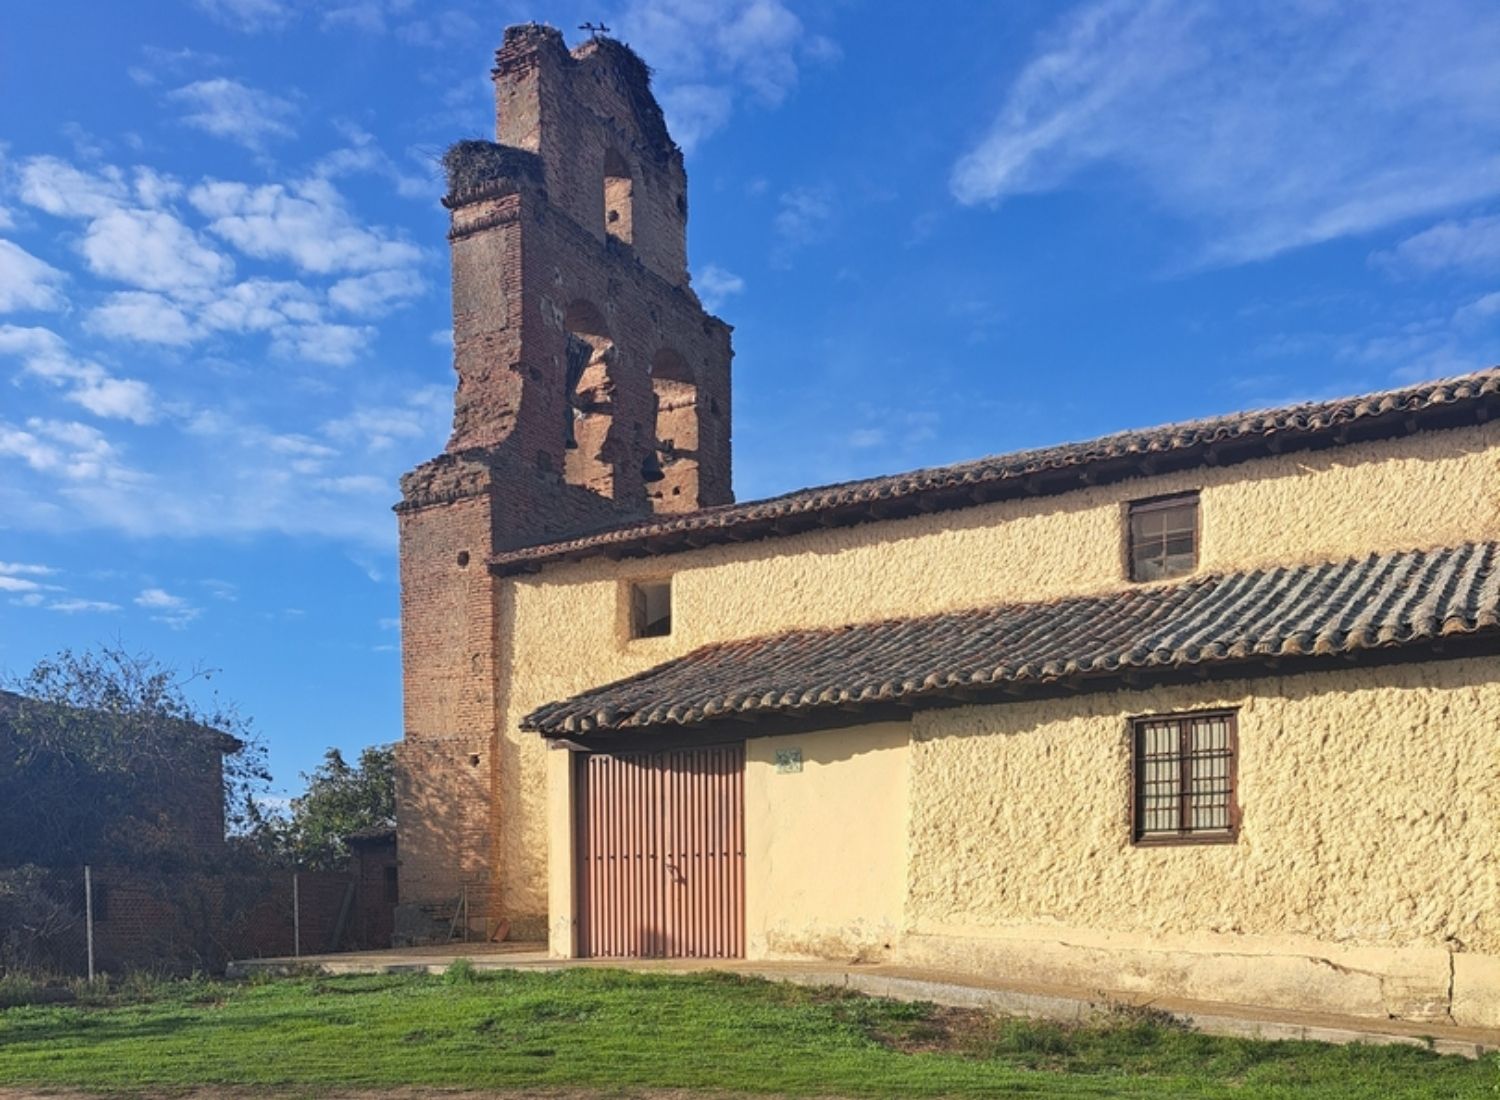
(1371, 808)
(570, 621)
(825, 848)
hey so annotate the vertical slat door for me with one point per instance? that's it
(661, 860)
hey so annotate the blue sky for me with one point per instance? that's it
(940, 231)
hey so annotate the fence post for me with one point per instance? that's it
(296, 919)
(88, 915)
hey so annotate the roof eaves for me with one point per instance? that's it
(1448, 597)
(1218, 441)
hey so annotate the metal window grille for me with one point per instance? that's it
(1184, 778)
(1163, 537)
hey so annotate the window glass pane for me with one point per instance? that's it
(1179, 519)
(1175, 565)
(1150, 524)
(1147, 568)
(1179, 545)
(1161, 764)
(1163, 540)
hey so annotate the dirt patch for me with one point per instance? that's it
(943, 1030)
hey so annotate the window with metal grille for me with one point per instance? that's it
(1163, 537)
(1183, 774)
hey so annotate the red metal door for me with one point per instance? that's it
(661, 853)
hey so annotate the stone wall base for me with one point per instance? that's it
(1417, 984)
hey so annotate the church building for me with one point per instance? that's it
(1209, 710)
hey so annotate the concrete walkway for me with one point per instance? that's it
(940, 987)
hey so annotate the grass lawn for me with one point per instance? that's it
(617, 1031)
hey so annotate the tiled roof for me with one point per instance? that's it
(10, 703)
(1383, 601)
(1221, 439)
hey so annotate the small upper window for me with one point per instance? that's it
(1183, 777)
(1163, 537)
(651, 609)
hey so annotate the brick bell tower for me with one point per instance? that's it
(593, 390)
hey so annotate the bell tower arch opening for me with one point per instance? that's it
(619, 196)
(591, 383)
(675, 390)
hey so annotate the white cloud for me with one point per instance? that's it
(159, 599)
(143, 317)
(358, 483)
(716, 285)
(175, 611)
(153, 250)
(696, 111)
(78, 607)
(1270, 126)
(336, 345)
(225, 475)
(1481, 311)
(260, 305)
(236, 112)
(249, 15)
(27, 282)
(363, 154)
(306, 223)
(442, 29)
(708, 53)
(25, 569)
(183, 290)
(45, 355)
(376, 293)
(162, 62)
(58, 188)
(116, 399)
(424, 415)
(360, 15)
(289, 312)
(1472, 245)
(130, 236)
(802, 218)
(68, 450)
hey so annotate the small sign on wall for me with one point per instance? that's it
(788, 761)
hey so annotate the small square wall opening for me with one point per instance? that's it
(651, 609)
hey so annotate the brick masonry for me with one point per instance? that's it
(592, 390)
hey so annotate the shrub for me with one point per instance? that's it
(460, 972)
(41, 929)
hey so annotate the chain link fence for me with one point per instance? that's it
(80, 922)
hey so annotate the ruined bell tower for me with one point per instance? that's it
(592, 391)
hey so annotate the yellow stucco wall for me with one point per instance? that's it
(1369, 847)
(825, 848)
(570, 620)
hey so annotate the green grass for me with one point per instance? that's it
(615, 1030)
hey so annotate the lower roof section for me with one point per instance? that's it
(1385, 602)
